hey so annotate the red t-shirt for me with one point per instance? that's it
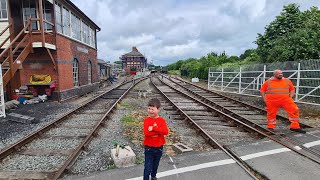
(155, 138)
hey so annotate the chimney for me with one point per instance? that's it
(134, 49)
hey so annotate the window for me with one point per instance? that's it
(58, 17)
(85, 33)
(75, 27)
(89, 72)
(75, 72)
(3, 9)
(92, 37)
(69, 24)
(47, 15)
(29, 8)
(66, 21)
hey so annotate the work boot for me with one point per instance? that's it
(154, 178)
(298, 130)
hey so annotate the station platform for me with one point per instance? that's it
(270, 159)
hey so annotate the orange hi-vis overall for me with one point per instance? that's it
(278, 95)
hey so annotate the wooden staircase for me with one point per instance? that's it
(17, 51)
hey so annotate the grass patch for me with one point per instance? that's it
(125, 104)
(111, 166)
(139, 159)
(174, 72)
(133, 126)
(130, 120)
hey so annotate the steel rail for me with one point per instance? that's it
(247, 121)
(7, 151)
(73, 157)
(308, 153)
(239, 102)
(292, 141)
(212, 141)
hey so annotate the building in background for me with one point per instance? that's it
(104, 70)
(133, 60)
(48, 37)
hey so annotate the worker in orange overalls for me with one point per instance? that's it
(278, 92)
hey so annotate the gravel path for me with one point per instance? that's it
(11, 132)
(98, 155)
(32, 162)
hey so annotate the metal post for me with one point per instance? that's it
(222, 79)
(258, 83)
(298, 84)
(209, 77)
(264, 73)
(240, 76)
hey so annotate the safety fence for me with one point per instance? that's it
(248, 79)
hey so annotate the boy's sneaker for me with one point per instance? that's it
(154, 178)
(298, 130)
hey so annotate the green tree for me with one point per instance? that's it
(293, 35)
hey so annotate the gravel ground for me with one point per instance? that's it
(98, 155)
(11, 132)
(68, 131)
(65, 144)
(32, 162)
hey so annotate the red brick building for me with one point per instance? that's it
(48, 37)
(133, 59)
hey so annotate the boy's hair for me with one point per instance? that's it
(154, 102)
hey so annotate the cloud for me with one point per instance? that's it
(167, 31)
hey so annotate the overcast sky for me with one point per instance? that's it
(166, 31)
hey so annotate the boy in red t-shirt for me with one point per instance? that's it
(154, 128)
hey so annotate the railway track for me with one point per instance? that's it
(53, 149)
(220, 128)
(251, 115)
(226, 103)
(215, 127)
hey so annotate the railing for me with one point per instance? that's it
(248, 79)
(43, 31)
(25, 42)
(8, 52)
(2, 32)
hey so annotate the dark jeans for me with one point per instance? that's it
(151, 161)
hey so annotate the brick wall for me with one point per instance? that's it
(39, 63)
(67, 50)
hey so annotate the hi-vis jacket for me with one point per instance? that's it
(277, 89)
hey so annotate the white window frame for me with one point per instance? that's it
(3, 9)
(45, 25)
(58, 16)
(89, 72)
(37, 15)
(75, 72)
(66, 21)
(88, 38)
(85, 33)
(75, 27)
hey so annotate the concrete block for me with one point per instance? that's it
(21, 118)
(125, 158)
(181, 148)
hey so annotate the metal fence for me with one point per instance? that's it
(248, 79)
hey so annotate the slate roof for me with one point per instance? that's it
(133, 53)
